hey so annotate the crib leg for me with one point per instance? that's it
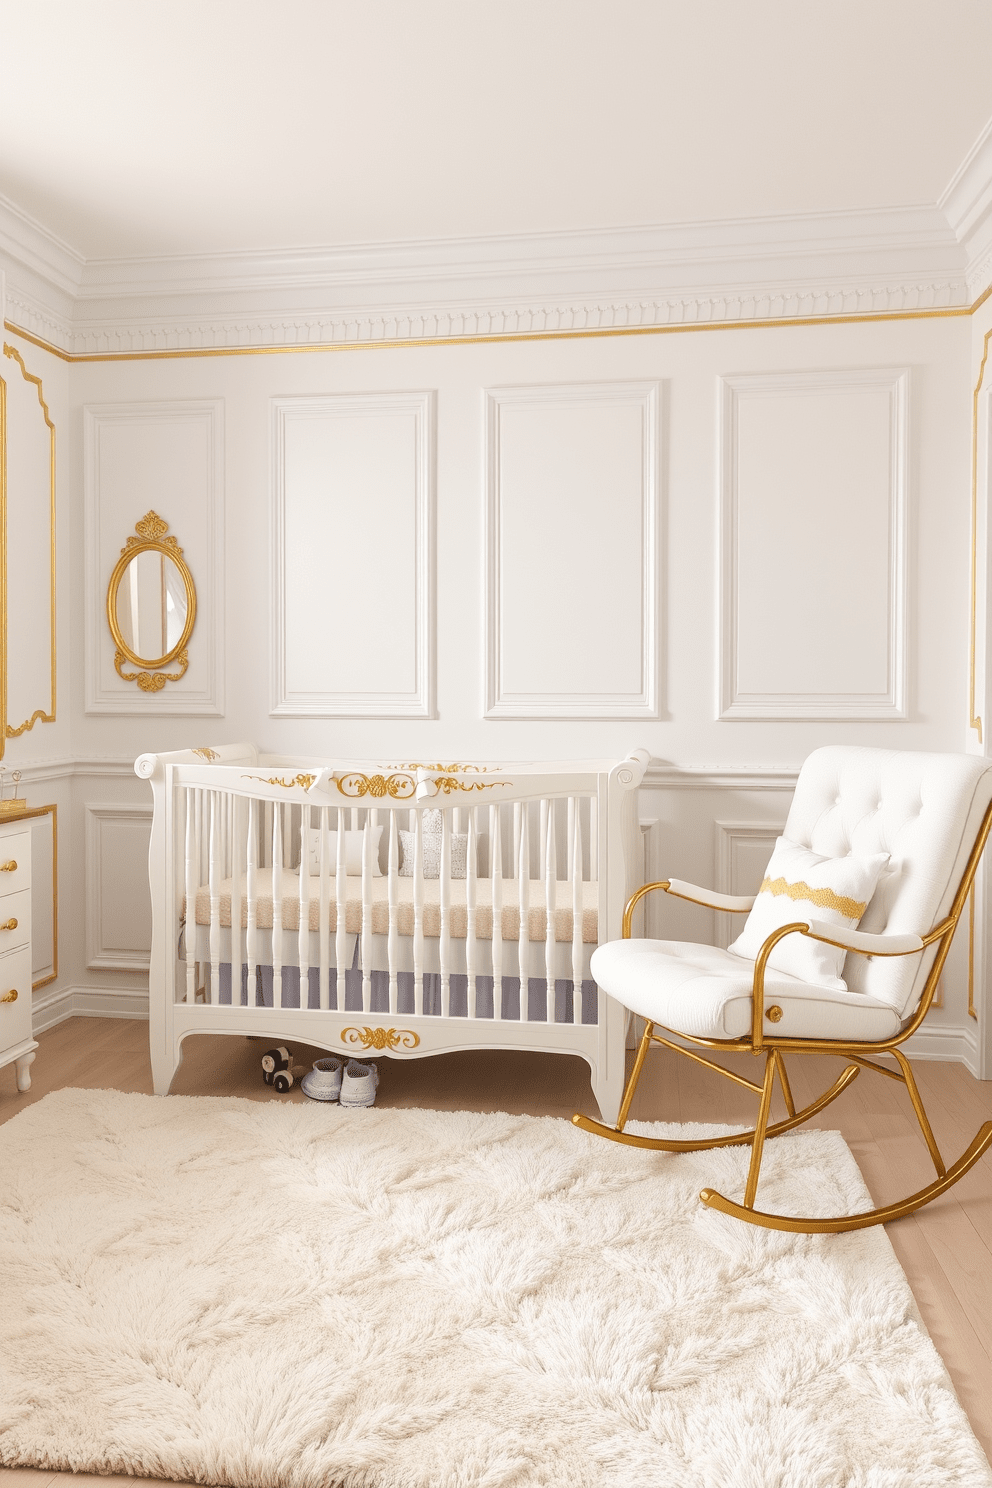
(165, 1062)
(607, 1087)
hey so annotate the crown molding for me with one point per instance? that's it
(816, 266)
(967, 207)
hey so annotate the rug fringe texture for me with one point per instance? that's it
(283, 1296)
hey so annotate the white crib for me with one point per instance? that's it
(531, 863)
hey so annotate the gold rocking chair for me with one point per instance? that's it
(932, 815)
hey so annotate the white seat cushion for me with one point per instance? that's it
(706, 991)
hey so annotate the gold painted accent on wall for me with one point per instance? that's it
(9, 731)
(822, 898)
(973, 720)
(381, 1038)
(683, 327)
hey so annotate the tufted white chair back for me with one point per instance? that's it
(924, 810)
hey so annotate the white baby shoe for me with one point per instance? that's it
(324, 1081)
(359, 1083)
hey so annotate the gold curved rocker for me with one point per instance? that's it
(840, 1223)
(736, 1139)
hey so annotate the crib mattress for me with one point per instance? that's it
(457, 915)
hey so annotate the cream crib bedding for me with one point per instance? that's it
(458, 914)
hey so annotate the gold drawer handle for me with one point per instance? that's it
(9, 867)
(9, 925)
(10, 996)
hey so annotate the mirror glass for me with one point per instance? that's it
(151, 605)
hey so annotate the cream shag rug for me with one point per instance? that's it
(252, 1293)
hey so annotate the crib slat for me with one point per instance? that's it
(192, 884)
(577, 912)
(593, 834)
(550, 906)
(418, 913)
(324, 975)
(214, 849)
(392, 946)
(471, 864)
(303, 931)
(341, 911)
(251, 869)
(371, 819)
(523, 904)
(496, 887)
(445, 897)
(277, 845)
(237, 857)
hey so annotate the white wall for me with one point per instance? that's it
(852, 475)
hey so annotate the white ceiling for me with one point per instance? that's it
(151, 127)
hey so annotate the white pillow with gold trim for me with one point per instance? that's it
(801, 885)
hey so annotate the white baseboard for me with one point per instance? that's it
(87, 1002)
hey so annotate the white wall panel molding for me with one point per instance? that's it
(168, 456)
(572, 551)
(118, 903)
(742, 848)
(55, 1007)
(662, 776)
(813, 544)
(820, 264)
(353, 556)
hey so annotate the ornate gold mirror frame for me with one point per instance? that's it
(151, 538)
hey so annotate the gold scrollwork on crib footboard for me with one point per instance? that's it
(381, 1038)
(305, 781)
(356, 785)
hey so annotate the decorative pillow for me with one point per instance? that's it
(801, 885)
(354, 846)
(431, 836)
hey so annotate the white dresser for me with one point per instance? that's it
(16, 1044)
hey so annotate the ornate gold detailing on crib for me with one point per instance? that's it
(381, 1038)
(447, 769)
(356, 785)
(151, 681)
(305, 781)
(207, 754)
(400, 787)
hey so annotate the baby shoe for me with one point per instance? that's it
(358, 1083)
(324, 1081)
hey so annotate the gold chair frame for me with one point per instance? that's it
(775, 1049)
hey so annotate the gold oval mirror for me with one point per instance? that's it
(151, 605)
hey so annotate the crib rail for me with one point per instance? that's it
(445, 907)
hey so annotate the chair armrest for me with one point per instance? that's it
(730, 903)
(868, 945)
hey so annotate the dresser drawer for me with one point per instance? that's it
(15, 920)
(15, 1015)
(15, 864)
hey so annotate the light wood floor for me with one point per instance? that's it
(944, 1249)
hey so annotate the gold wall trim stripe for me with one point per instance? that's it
(973, 720)
(7, 730)
(497, 337)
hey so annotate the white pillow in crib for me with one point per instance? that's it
(354, 847)
(800, 885)
(431, 835)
